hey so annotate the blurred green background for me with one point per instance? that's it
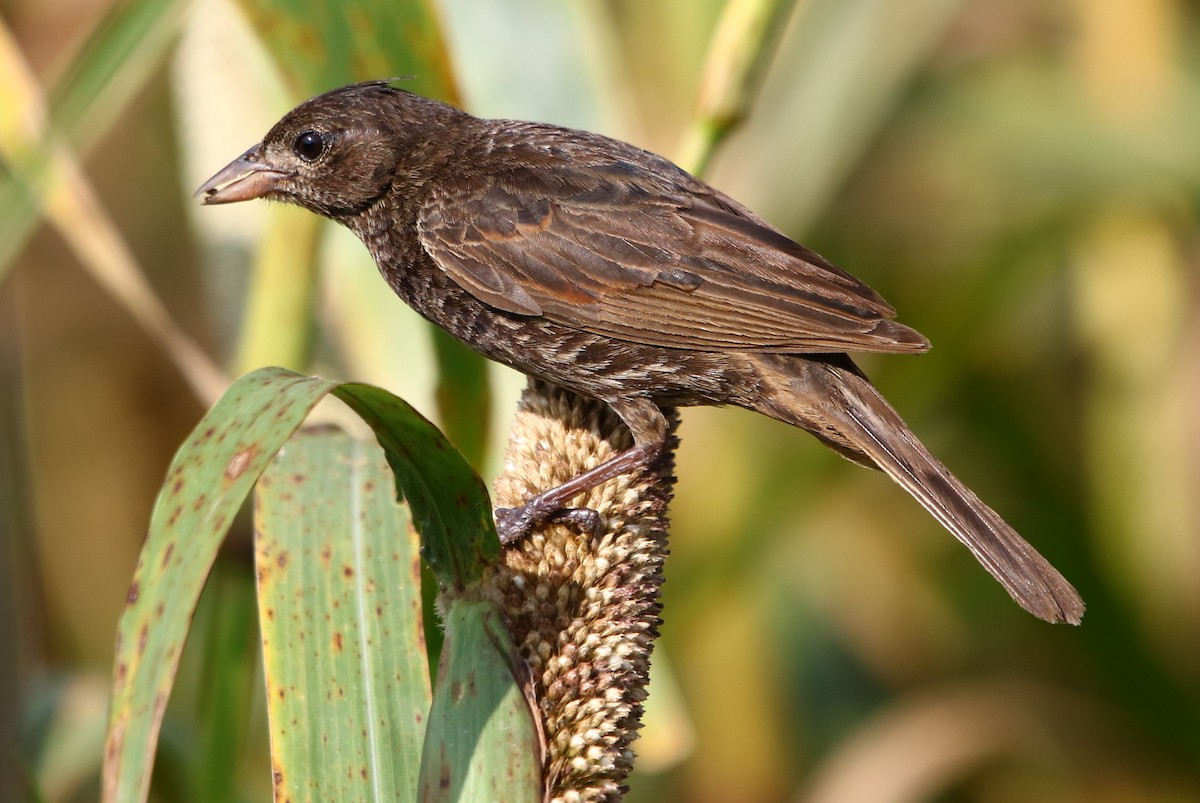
(1020, 179)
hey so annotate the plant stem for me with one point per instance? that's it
(742, 45)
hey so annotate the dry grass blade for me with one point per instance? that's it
(72, 207)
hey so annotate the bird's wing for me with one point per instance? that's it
(648, 257)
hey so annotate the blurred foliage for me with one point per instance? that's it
(1019, 179)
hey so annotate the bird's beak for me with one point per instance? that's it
(246, 177)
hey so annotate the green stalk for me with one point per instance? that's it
(742, 45)
(278, 325)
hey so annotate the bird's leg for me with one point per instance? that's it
(514, 523)
(649, 429)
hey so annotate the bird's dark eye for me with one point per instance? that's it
(309, 146)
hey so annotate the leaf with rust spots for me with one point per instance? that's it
(362, 610)
(450, 505)
(188, 524)
(240, 462)
(208, 481)
(482, 740)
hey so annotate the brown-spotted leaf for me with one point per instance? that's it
(207, 482)
(339, 589)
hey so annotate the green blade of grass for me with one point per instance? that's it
(483, 743)
(207, 482)
(228, 678)
(449, 502)
(321, 45)
(842, 67)
(209, 479)
(463, 395)
(123, 51)
(48, 177)
(347, 679)
(280, 320)
(742, 45)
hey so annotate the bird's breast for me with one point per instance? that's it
(595, 365)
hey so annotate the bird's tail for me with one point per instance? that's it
(832, 400)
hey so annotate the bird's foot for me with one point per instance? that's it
(514, 523)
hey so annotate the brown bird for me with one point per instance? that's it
(608, 270)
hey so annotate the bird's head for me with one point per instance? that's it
(337, 153)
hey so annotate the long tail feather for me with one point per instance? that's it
(843, 409)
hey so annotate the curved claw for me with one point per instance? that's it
(514, 523)
(583, 519)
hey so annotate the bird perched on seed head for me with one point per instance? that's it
(608, 270)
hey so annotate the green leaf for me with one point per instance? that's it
(322, 45)
(228, 677)
(463, 394)
(340, 610)
(279, 319)
(458, 534)
(209, 479)
(742, 45)
(122, 53)
(207, 482)
(483, 743)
